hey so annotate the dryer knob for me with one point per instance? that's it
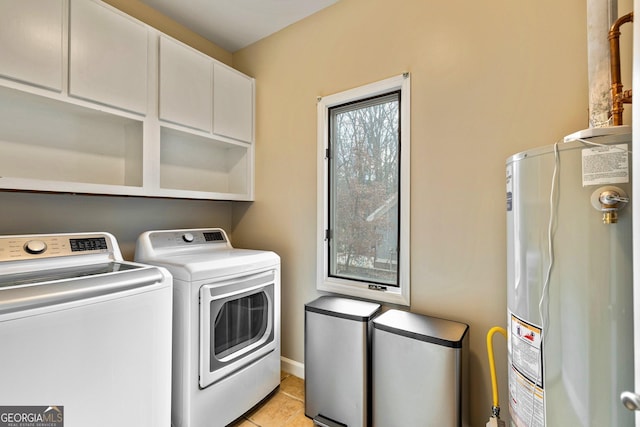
(35, 246)
(187, 237)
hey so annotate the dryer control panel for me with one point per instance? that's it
(188, 237)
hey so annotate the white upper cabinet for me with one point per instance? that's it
(94, 101)
(233, 95)
(31, 41)
(198, 92)
(185, 85)
(107, 56)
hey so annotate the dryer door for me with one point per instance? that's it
(236, 324)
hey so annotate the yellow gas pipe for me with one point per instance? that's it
(495, 409)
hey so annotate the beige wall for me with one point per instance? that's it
(124, 217)
(489, 79)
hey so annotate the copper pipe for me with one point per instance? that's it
(619, 98)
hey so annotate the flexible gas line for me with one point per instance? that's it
(495, 409)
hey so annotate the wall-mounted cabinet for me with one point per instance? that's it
(194, 162)
(186, 84)
(233, 95)
(51, 145)
(107, 56)
(199, 92)
(120, 120)
(31, 41)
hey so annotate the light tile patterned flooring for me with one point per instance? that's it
(284, 408)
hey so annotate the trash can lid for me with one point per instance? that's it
(345, 308)
(424, 328)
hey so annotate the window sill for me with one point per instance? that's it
(391, 295)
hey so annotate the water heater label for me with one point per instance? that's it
(607, 164)
(525, 374)
(509, 188)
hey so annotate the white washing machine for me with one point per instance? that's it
(85, 337)
(226, 323)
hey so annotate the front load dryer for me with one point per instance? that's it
(226, 323)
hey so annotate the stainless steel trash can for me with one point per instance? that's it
(337, 358)
(419, 371)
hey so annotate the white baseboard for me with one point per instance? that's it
(292, 367)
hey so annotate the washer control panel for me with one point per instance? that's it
(35, 246)
(24, 247)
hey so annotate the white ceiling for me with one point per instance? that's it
(234, 24)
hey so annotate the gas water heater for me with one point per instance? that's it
(569, 266)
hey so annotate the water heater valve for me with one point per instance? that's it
(609, 200)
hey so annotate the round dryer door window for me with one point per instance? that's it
(236, 324)
(239, 323)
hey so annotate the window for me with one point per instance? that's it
(363, 191)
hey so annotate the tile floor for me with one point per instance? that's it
(284, 408)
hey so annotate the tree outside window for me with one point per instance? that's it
(364, 159)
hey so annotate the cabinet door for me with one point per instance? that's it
(232, 104)
(107, 56)
(31, 41)
(185, 85)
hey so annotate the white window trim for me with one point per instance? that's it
(392, 295)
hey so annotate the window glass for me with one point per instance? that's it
(364, 177)
(364, 191)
